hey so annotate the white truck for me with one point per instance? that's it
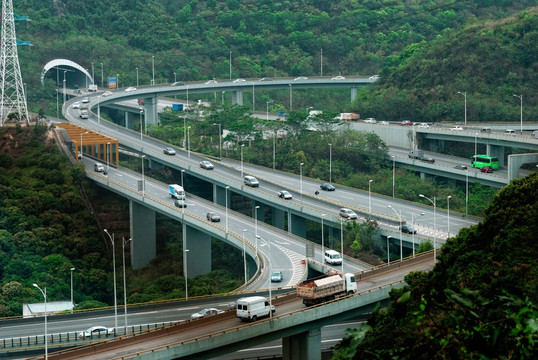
(419, 155)
(325, 288)
(176, 191)
(253, 307)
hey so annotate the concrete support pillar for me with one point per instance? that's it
(219, 195)
(498, 151)
(278, 218)
(150, 110)
(302, 346)
(199, 255)
(155, 164)
(515, 162)
(422, 176)
(353, 93)
(297, 225)
(143, 248)
(258, 213)
(237, 97)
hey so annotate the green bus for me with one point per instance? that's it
(479, 161)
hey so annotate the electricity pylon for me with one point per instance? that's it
(13, 97)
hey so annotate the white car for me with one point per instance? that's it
(456, 128)
(347, 213)
(384, 122)
(423, 125)
(130, 88)
(301, 78)
(211, 82)
(284, 195)
(339, 77)
(169, 151)
(374, 77)
(206, 165)
(205, 312)
(239, 80)
(370, 121)
(95, 331)
(76, 105)
(107, 93)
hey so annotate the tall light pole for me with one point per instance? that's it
(393, 174)
(291, 98)
(253, 98)
(153, 69)
(230, 65)
(111, 237)
(465, 101)
(274, 149)
(414, 216)
(388, 250)
(87, 132)
(73, 304)
(321, 63)
(141, 111)
(189, 141)
(301, 175)
(270, 272)
(143, 178)
(330, 163)
(46, 333)
(448, 214)
(256, 225)
(123, 243)
(185, 272)
(64, 85)
(102, 74)
(369, 198)
(521, 111)
(342, 241)
(220, 139)
(137, 77)
(434, 225)
(322, 238)
(399, 218)
(93, 75)
(266, 110)
(244, 256)
(242, 146)
(108, 156)
(226, 195)
(466, 191)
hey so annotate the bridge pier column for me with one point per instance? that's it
(237, 97)
(302, 346)
(497, 151)
(126, 116)
(219, 195)
(150, 110)
(297, 225)
(155, 164)
(278, 218)
(353, 93)
(199, 254)
(142, 234)
(259, 213)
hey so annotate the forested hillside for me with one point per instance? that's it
(194, 40)
(480, 300)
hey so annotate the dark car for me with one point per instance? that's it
(180, 203)
(327, 187)
(169, 151)
(406, 228)
(405, 123)
(276, 276)
(460, 167)
(213, 217)
(487, 169)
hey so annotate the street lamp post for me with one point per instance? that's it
(256, 225)
(153, 69)
(521, 111)
(143, 178)
(220, 139)
(108, 156)
(414, 216)
(124, 242)
(466, 192)
(244, 256)
(321, 63)
(185, 272)
(72, 269)
(330, 163)
(291, 98)
(182, 171)
(434, 225)
(448, 214)
(322, 238)
(102, 80)
(393, 174)
(274, 148)
(46, 334)
(141, 111)
(301, 175)
(400, 219)
(465, 101)
(87, 132)
(226, 195)
(64, 85)
(369, 199)
(242, 146)
(230, 65)
(114, 267)
(342, 241)
(270, 272)
(266, 110)
(189, 141)
(388, 251)
(137, 77)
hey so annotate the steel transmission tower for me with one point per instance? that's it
(12, 88)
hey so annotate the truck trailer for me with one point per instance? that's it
(325, 288)
(176, 192)
(419, 155)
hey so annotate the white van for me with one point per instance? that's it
(253, 307)
(251, 181)
(510, 131)
(84, 114)
(98, 167)
(333, 257)
(176, 192)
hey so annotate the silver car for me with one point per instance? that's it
(347, 213)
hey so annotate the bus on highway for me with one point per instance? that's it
(479, 161)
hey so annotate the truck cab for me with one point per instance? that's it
(351, 284)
